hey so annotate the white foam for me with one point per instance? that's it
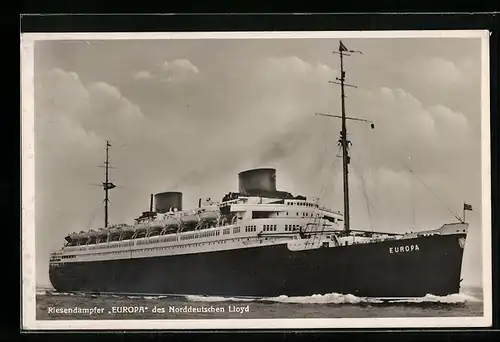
(55, 293)
(449, 299)
(336, 298)
(195, 298)
(154, 297)
(329, 298)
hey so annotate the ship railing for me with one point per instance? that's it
(372, 233)
(233, 201)
(337, 212)
(278, 234)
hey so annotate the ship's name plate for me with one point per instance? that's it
(404, 249)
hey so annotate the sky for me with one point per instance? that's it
(188, 115)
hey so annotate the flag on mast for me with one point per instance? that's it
(108, 186)
(466, 207)
(342, 47)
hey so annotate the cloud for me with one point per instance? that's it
(438, 72)
(435, 137)
(180, 66)
(178, 70)
(143, 75)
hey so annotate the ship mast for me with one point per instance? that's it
(107, 185)
(343, 142)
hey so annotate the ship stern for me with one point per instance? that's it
(54, 265)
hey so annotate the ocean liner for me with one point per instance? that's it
(259, 242)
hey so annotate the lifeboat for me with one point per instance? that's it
(102, 232)
(171, 222)
(128, 229)
(169, 230)
(209, 215)
(71, 237)
(189, 218)
(141, 227)
(114, 231)
(92, 233)
(156, 225)
(83, 236)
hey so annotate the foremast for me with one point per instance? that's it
(107, 185)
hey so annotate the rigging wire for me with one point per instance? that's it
(323, 190)
(362, 187)
(430, 190)
(412, 205)
(94, 214)
(443, 203)
(368, 203)
(321, 160)
(322, 157)
(326, 184)
(322, 163)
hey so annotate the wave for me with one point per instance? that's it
(195, 298)
(147, 297)
(329, 298)
(451, 299)
(55, 293)
(336, 298)
(95, 295)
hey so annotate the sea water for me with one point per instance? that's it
(52, 305)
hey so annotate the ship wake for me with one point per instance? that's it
(329, 298)
(336, 298)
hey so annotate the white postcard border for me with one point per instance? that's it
(28, 266)
(28, 193)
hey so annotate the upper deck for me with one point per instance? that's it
(231, 212)
(262, 231)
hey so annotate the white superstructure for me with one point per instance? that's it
(252, 221)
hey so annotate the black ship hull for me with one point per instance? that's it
(405, 268)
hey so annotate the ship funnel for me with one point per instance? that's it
(166, 201)
(255, 181)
